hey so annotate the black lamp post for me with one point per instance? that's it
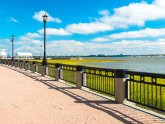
(44, 62)
(12, 41)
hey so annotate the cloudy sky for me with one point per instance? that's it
(84, 27)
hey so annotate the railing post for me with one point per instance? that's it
(43, 70)
(57, 71)
(120, 82)
(15, 63)
(34, 67)
(12, 63)
(79, 76)
(46, 70)
(20, 64)
(5, 62)
(8, 62)
(26, 65)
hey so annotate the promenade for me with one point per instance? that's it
(29, 98)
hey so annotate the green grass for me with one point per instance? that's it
(51, 71)
(40, 69)
(69, 76)
(100, 81)
(76, 62)
(148, 94)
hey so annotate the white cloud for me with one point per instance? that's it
(135, 14)
(24, 38)
(29, 38)
(161, 39)
(144, 33)
(140, 47)
(5, 43)
(148, 32)
(72, 47)
(38, 16)
(14, 20)
(100, 39)
(88, 28)
(27, 48)
(32, 45)
(54, 31)
(5, 40)
(33, 35)
(104, 13)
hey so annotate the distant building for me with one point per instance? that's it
(3, 53)
(24, 55)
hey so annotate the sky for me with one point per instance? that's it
(84, 27)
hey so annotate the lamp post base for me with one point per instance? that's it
(44, 62)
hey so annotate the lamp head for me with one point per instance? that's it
(45, 18)
(12, 38)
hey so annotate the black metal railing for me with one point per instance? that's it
(39, 68)
(31, 66)
(20, 65)
(146, 89)
(25, 65)
(68, 73)
(15, 64)
(99, 79)
(51, 70)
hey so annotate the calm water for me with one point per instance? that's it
(142, 64)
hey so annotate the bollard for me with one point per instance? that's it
(46, 70)
(26, 65)
(57, 71)
(34, 67)
(79, 76)
(12, 63)
(20, 64)
(120, 82)
(43, 70)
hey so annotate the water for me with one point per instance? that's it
(140, 64)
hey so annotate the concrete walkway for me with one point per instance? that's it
(28, 98)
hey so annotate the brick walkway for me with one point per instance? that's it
(28, 98)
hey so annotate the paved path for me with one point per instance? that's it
(27, 98)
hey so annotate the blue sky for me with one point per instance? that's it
(84, 27)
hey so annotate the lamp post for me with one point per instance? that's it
(44, 62)
(12, 41)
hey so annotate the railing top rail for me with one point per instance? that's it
(99, 68)
(51, 63)
(155, 75)
(68, 65)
